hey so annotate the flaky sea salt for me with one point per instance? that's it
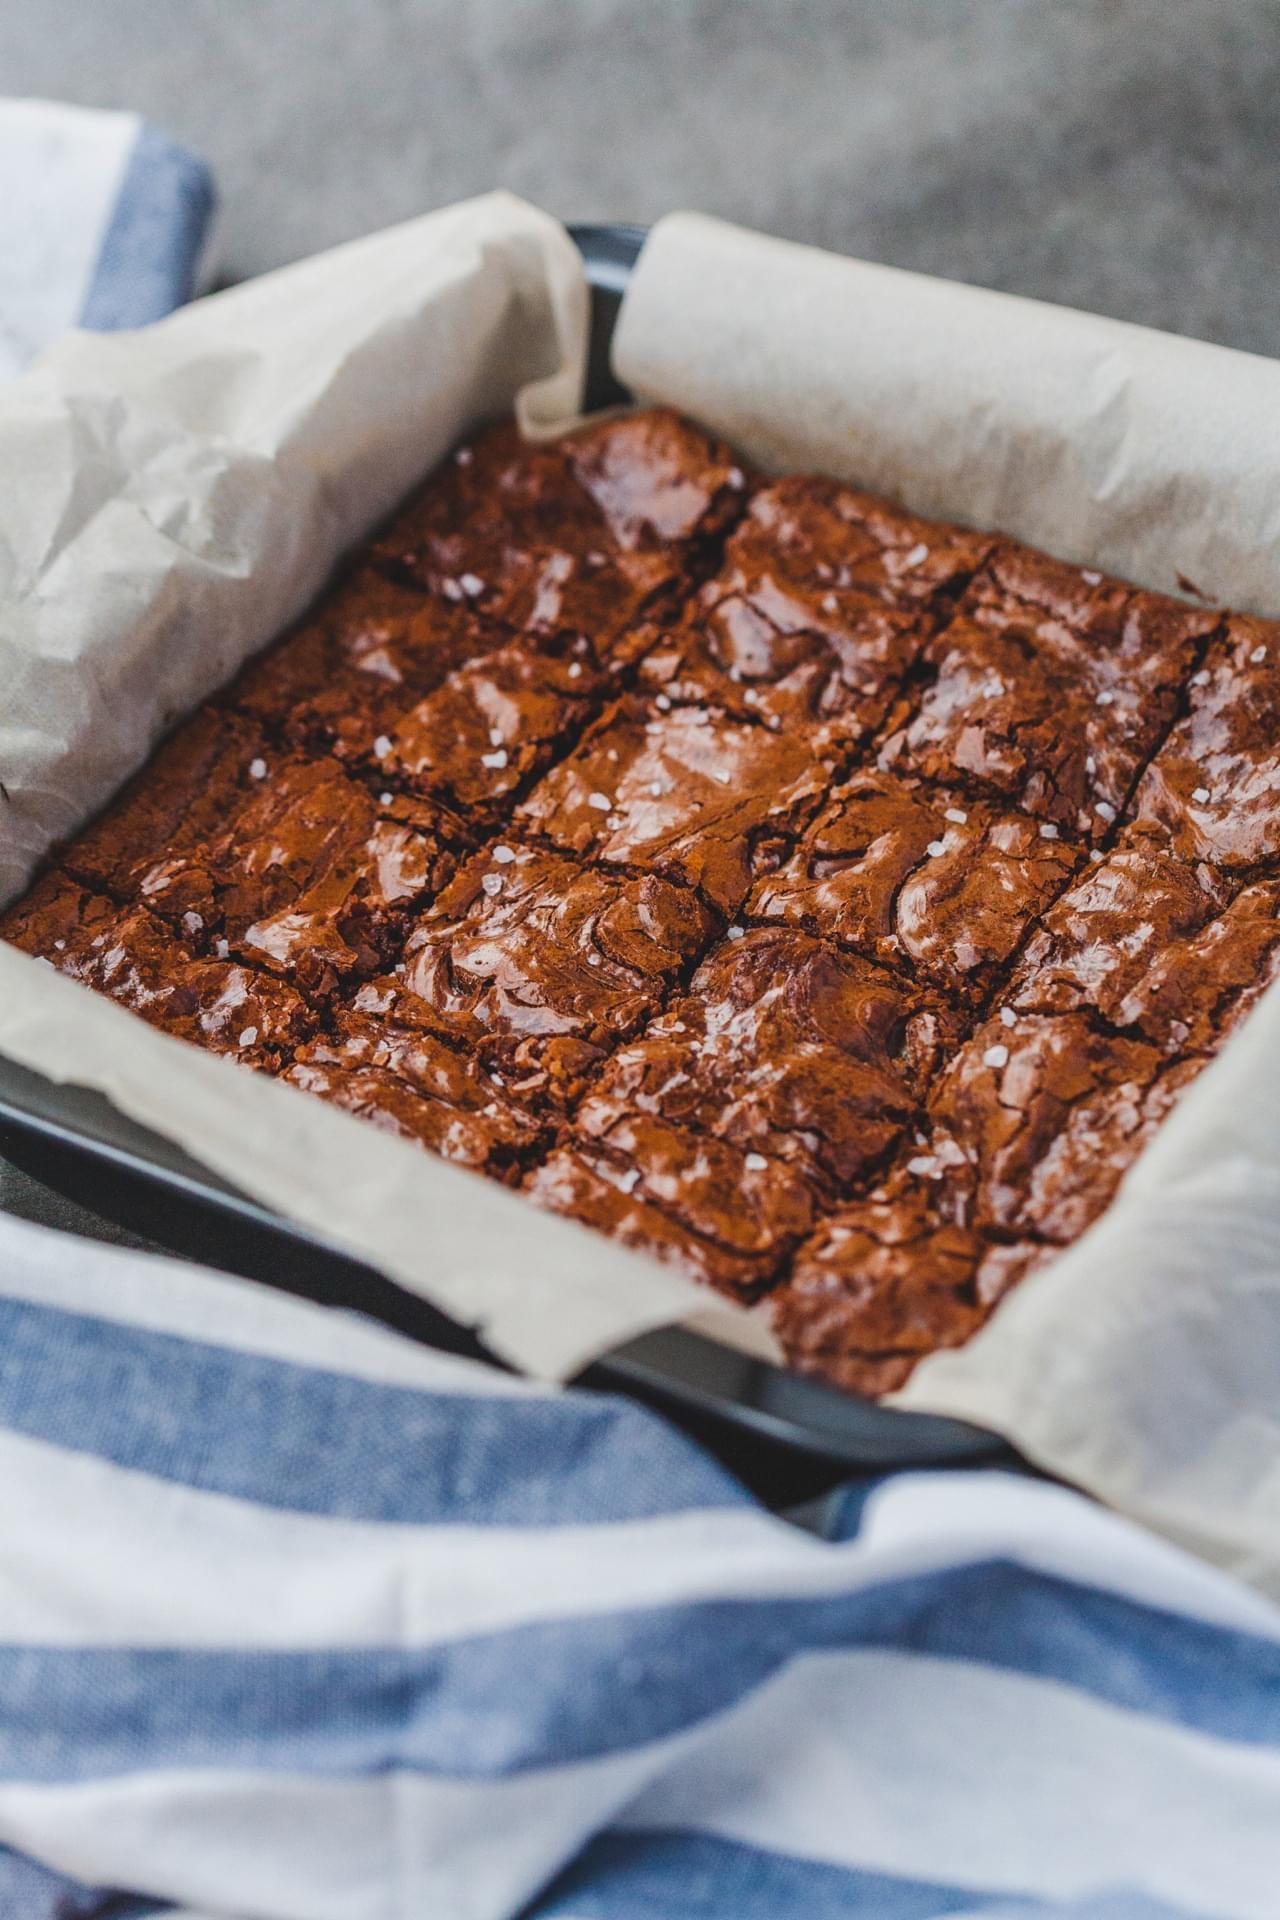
(829, 603)
(1008, 1018)
(1200, 795)
(221, 948)
(918, 555)
(997, 1056)
(956, 815)
(1259, 654)
(723, 775)
(924, 1163)
(382, 746)
(492, 884)
(503, 856)
(495, 736)
(385, 799)
(593, 959)
(735, 932)
(1048, 831)
(627, 1180)
(60, 945)
(1105, 811)
(662, 703)
(1106, 697)
(451, 590)
(257, 769)
(1200, 679)
(575, 669)
(655, 788)
(755, 1163)
(1091, 578)
(600, 801)
(192, 923)
(498, 758)
(936, 847)
(736, 478)
(249, 1037)
(471, 585)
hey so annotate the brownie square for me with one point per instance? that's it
(887, 1279)
(1215, 784)
(494, 723)
(540, 965)
(576, 534)
(809, 552)
(662, 484)
(181, 796)
(408, 1082)
(138, 961)
(686, 792)
(726, 1217)
(1047, 1113)
(786, 1048)
(934, 882)
(311, 876)
(369, 652)
(728, 656)
(1053, 686)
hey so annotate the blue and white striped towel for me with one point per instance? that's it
(302, 1622)
(102, 220)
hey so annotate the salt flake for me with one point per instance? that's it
(496, 759)
(918, 555)
(997, 1056)
(257, 769)
(600, 801)
(249, 1037)
(755, 1163)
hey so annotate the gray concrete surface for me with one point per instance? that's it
(1121, 155)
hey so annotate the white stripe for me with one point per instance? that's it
(981, 1515)
(172, 1296)
(941, 1770)
(62, 168)
(174, 1566)
(296, 1847)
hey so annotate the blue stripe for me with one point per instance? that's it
(642, 1875)
(316, 1441)
(29, 1891)
(151, 249)
(559, 1691)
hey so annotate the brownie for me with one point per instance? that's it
(494, 723)
(785, 1047)
(1213, 784)
(540, 965)
(180, 797)
(1053, 686)
(407, 1081)
(126, 953)
(825, 901)
(310, 875)
(819, 609)
(345, 677)
(1046, 1113)
(686, 792)
(926, 879)
(578, 534)
(727, 1217)
(887, 1279)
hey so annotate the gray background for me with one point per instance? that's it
(1121, 155)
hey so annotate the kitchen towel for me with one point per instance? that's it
(301, 1621)
(102, 223)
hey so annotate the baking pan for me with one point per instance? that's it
(788, 1437)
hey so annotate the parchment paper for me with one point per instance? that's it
(1144, 1364)
(168, 501)
(1107, 444)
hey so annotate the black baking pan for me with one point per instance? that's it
(786, 1436)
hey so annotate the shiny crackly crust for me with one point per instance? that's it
(927, 879)
(134, 958)
(825, 900)
(1053, 686)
